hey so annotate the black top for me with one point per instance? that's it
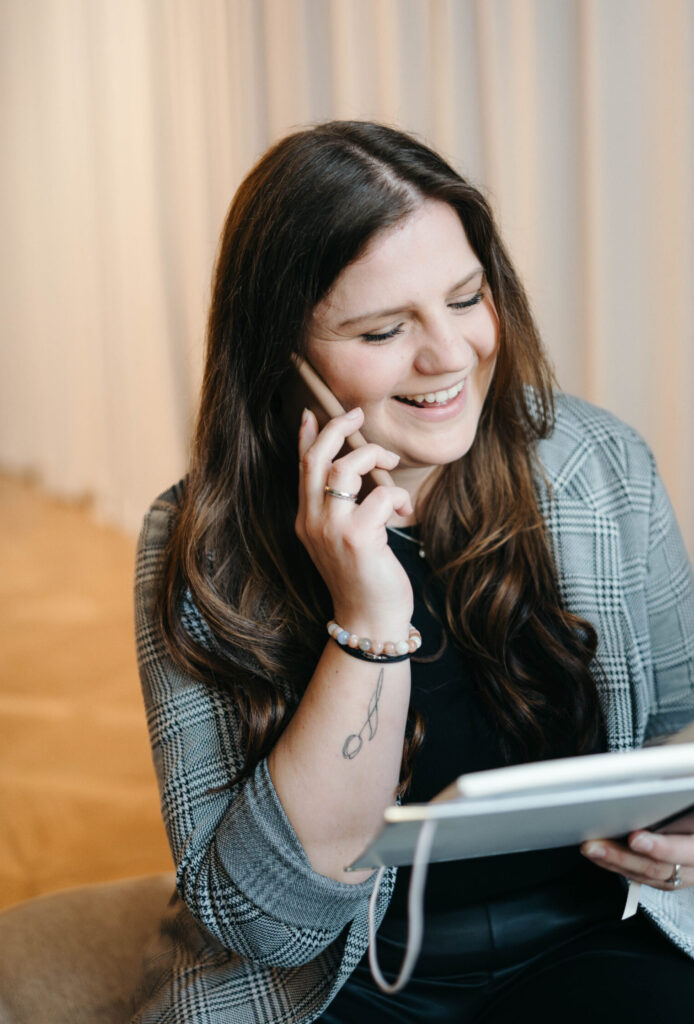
(460, 737)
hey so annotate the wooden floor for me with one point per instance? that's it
(78, 799)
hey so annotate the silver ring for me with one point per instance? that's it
(674, 879)
(345, 495)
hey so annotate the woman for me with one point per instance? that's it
(553, 598)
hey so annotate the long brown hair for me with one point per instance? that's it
(307, 210)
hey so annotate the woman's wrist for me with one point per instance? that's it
(380, 648)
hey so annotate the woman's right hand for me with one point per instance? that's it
(335, 766)
(348, 542)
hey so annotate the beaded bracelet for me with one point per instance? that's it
(372, 650)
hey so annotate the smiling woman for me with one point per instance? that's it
(523, 541)
(422, 379)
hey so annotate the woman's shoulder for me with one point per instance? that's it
(161, 516)
(593, 446)
(173, 495)
(171, 499)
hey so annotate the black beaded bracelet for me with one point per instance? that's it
(389, 659)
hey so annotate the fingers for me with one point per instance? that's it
(654, 868)
(317, 449)
(671, 849)
(308, 431)
(346, 473)
(320, 467)
(379, 505)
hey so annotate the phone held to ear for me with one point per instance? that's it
(309, 391)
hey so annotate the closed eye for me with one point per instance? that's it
(465, 304)
(383, 337)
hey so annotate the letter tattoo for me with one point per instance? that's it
(354, 742)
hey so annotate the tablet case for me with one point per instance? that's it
(543, 805)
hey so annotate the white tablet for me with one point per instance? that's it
(543, 805)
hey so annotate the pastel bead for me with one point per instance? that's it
(389, 648)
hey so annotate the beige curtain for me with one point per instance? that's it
(126, 126)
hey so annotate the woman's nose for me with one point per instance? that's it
(443, 349)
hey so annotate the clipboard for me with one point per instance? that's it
(544, 805)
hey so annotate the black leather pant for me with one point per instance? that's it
(547, 956)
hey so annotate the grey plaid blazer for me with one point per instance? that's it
(252, 933)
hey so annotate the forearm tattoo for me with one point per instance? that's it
(354, 742)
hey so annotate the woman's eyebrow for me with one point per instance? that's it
(391, 312)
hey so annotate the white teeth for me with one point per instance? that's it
(437, 397)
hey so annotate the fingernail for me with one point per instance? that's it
(643, 844)
(353, 413)
(594, 850)
(304, 417)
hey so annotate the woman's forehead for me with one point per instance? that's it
(425, 251)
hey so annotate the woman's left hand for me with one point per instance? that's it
(647, 857)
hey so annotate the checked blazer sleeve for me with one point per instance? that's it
(240, 867)
(670, 606)
(622, 565)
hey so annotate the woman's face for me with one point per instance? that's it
(409, 332)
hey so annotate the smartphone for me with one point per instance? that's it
(309, 391)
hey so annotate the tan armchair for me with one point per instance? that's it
(75, 956)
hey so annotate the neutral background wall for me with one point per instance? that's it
(126, 126)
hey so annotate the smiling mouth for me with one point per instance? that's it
(432, 398)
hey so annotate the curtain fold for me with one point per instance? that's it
(126, 128)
